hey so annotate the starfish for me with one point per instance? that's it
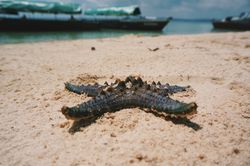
(129, 93)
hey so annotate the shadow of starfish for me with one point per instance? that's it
(177, 120)
(185, 121)
(77, 125)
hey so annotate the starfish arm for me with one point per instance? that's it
(90, 90)
(170, 89)
(165, 104)
(175, 88)
(154, 101)
(94, 107)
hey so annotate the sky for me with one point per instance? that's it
(176, 8)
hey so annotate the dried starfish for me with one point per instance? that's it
(130, 93)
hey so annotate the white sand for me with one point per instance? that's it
(217, 66)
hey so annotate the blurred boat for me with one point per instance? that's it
(50, 22)
(23, 15)
(242, 22)
(128, 18)
(131, 22)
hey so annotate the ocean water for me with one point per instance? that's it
(173, 28)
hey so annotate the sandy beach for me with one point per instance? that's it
(216, 66)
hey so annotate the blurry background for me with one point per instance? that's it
(189, 17)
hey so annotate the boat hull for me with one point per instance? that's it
(236, 25)
(146, 25)
(7, 24)
(88, 23)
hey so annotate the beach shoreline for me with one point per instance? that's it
(216, 66)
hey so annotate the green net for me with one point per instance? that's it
(36, 6)
(114, 11)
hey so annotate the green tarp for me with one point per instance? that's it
(36, 6)
(114, 11)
